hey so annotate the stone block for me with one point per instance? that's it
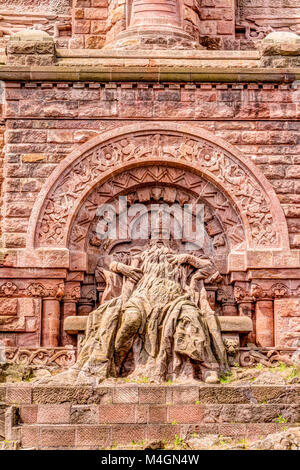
(94, 41)
(82, 27)
(84, 414)
(280, 43)
(8, 306)
(57, 436)
(18, 394)
(96, 13)
(126, 394)
(287, 322)
(185, 394)
(236, 324)
(53, 414)
(89, 435)
(157, 414)
(124, 434)
(150, 394)
(141, 413)
(225, 28)
(58, 394)
(160, 432)
(188, 414)
(116, 413)
(73, 324)
(28, 414)
(30, 436)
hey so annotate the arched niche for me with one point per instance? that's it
(186, 155)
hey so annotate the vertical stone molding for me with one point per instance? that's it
(264, 319)
(50, 322)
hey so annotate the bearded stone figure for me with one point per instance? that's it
(153, 322)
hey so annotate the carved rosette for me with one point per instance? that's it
(214, 162)
(8, 289)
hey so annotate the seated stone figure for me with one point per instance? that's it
(162, 322)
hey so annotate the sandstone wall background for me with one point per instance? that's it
(46, 121)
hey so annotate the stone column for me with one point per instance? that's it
(264, 317)
(245, 307)
(158, 13)
(87, 302)
(69, 308)
(225, 296)
(50, 322)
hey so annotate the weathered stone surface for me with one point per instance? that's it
(223, 123)
(76, 395)
(238, 324)
(281, 43)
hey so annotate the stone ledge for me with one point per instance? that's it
(91, 72)
(73, 325)
(149, 394)
(91, 436)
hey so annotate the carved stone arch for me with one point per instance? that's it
(171, 145)
(155, 185)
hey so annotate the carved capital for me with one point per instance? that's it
(36, 290)
(279, 290)
(241, 294)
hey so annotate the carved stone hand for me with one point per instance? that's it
(133, 273)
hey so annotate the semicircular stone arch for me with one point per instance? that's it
(177, 146)
(153, 184)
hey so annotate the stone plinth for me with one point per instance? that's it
(93, 418)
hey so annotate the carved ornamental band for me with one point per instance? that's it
(211, 161)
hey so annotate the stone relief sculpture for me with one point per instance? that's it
(154, 320)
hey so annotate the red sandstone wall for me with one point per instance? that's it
(216, 20)
(89, 24)
(281, 14)
(50, 6)
(254, 18)
(46, 121)
(2, 130)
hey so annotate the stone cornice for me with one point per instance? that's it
(157, 66)
(176, 73)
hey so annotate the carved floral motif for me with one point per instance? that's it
(62, 357)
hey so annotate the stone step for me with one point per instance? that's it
(88, 436)
(161, 414)
(107, 416)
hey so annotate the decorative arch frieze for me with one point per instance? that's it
(173, 147)
(162, 184)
